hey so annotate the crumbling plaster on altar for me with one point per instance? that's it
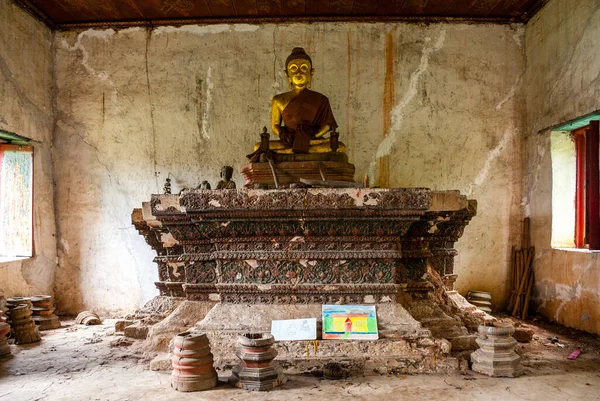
(26, 108)
(183, 101)
(563, 81)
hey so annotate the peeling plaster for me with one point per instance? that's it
(208, 99)
(511, 93)
(194, 29)
(130, 30)
(549, 290)
(245, 28)
(493, 155)
(78, 46)
(517, 37)
(387, 144)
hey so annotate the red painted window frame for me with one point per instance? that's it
(579, 137)
(587, 192)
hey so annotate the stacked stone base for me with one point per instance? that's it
(267, 379)
(497, 365)
(43, 312)
(257, 371)
(4, 331)
(497, 356)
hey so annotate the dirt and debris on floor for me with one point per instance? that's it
(96, 363)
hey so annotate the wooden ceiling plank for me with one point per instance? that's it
(441, 8)
(364, 7)
(323, 6)
(269, 8)
(124, 10)
(56, 12)
(83, 11)
(480, 8)
(293, 7)
(245, 7)
(200, 9)
(150, 9)
(221, 8)
(523, 8)
(109, 8)
(500, 7)
(391, 7)
(412, 7)
(341, 7)
(315, 7)
(179, 8)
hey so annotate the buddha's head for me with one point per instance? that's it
(226, 172)
(298, 69)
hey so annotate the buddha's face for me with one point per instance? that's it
(299, 73)
(226, 173)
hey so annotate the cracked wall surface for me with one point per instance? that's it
(563, 83)
(441, 103)
(26, 108)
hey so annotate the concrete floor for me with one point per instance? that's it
(93, 363)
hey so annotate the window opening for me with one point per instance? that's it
(576, 184)
(16, 197)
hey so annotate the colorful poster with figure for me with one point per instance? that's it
(349, 322)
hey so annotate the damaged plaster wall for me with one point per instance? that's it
(434, 106)
(26, 69)
(563, 83)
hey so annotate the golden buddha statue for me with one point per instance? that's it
(301, 117)
(302, 156)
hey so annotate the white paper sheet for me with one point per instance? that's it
(294, 329)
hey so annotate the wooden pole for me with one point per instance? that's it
(513, 281)
(528, 295)
(522, 282)
(526, 224)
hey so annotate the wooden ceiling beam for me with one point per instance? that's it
(119, 13)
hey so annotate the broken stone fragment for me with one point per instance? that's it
(161, 362)
(137, 331)
(120, 325)
(523, 334)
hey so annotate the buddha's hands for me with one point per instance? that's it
(322, 131)
(285, 136)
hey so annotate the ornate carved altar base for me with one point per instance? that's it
(281, 254)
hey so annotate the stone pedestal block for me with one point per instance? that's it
(137, 330)
(256, 370)
(43, 312)
(24, 329)
(497, 356)
(12, 303)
